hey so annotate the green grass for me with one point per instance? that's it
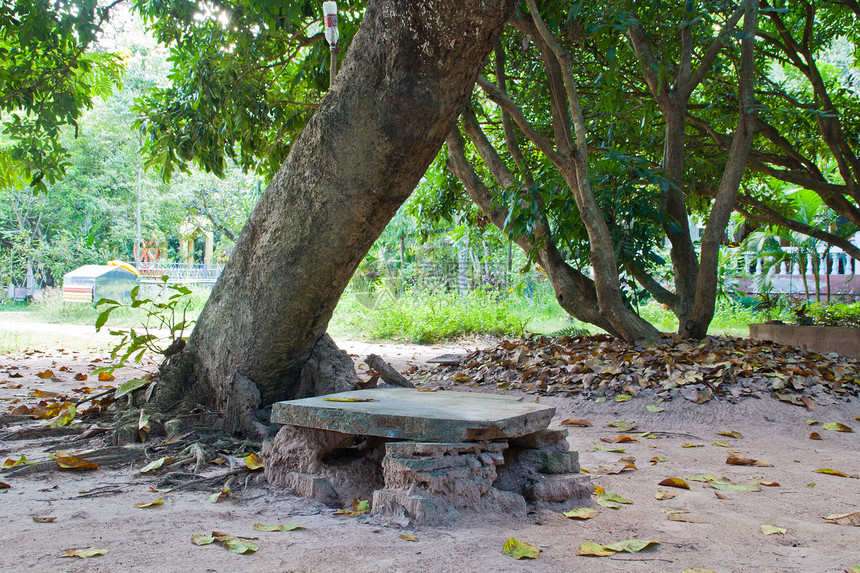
(428, 317)
(416, 316)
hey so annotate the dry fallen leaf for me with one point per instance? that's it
(359, 507)
(675, 482)
(577, 423)
(74, 463)
(349, 399)
(64, 417)
(254, 462)
(657, 459)
(407, 537)
(769, 483)
(10, 463)
(520, 549)
(678, 516)
(619, 439)
(845, 518)
(279, 527)
(45, 374)
(734, 460)
(622, 425)
(218, 496)
(44, 519)
(833, 472)
(84, 553)
(581, 513)
(693, 445)
(106, 377)
(815, 436)
(732, 434)
(721, 495)
(662, 495)
(146, 504)
(772, 530)
(229, 542)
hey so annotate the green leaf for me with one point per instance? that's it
(279, 527)
(156, 464)
(130, 386)
(728, 486)
(201, 539)
(632, 545)
(240, 546)
(520, 549)
(655, 408)
(614, 497)
(590, 549)
(85, 553)
(836, 427)
(10, 463)
(102, 318)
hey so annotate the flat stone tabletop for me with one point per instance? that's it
(409, 414)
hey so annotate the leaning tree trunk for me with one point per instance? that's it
(261, 335)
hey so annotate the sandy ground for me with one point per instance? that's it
(96, 509)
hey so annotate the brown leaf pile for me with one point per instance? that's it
(601, 366)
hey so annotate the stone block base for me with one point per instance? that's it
(432, 482)
(427, 482)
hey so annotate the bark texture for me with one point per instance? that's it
(409, 70)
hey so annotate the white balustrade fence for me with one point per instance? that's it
(181, 273)
(834, 262)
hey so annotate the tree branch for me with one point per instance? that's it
(711, 54)
(544, 145)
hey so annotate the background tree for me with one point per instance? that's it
(48, 77)
(807, 129)
(620, 230)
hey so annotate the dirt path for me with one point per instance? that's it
(97, 508)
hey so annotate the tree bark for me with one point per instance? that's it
(409, 70)
(702, 311)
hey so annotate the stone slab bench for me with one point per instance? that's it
(424, 456)
(407, 414)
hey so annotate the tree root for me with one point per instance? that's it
(108, 456)
(40, 431)
(199, 483)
